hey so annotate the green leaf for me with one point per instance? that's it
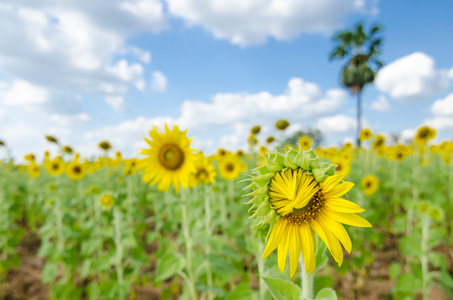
(394, 270)
(407, 283)
(446, 279)
(241, 292)
(102, 262)
(326, 294)
(282, 290)
(49, 272)
(169, 265)
(220, 265)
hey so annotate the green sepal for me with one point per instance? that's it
(262, 210)
(289, 158)
(307, 157)
(262, 179)
(322, 174)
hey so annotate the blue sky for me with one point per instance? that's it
(113, 70)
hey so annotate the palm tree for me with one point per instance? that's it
(361, 51)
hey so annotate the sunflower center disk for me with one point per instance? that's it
(171, 157)
(229, 167)
(308, 212)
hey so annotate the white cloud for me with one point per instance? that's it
(253, 21)
(443, 107)
(407, 134)
(302, 101)
(22, 93)
(117, 102)
(440, 123)
(337, 124)
(381, 104)
(411, 78)
(159, 81)
(66, 120)
(67, 46)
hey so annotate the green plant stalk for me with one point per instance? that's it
(424, 256)
(307, 281)
(188, 242)
(260, 263)
(223, 207)
(207, 223)
(59, 225)
(118, 247)
(231, 193)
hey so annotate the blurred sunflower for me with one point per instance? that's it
(221, 152)
(305, 142)
(424, 134)
(67, 150)
(105, 145)
(30, 157)
(270, 139)
(130, 166)
(297, 195)
(170, 159)
(75, 170)
(34, 170)
(365, 134)
(370, 185)
(204, 172)
(378, 143)
(55, 166)
(255, 129)
(229, 167)
(401, 152)
(107, 200)
(281, 125)
(343, 168)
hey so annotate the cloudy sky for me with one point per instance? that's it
(85, 70)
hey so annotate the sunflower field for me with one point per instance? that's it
(263, 223)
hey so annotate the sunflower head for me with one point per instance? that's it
(252, 140)
(75, 170)
(370, 185)
(255, 129)
(105, 145)
(51, 139)
(424, 134)
(270, 139)
(297, 195)
(30, 157)
(55, 166)
(169, 160)
(67, 150)
(342, 167)
(365, 134)
(348, 146)
(446, 158)
(281, 124)
(239, 153)
(2, 143)
(34, 170)
(230, 167)
(107, 201)
(305, 142)
(130, 166)
(204, 171)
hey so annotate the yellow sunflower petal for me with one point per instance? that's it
(337, 230)
(342, 205)
(349, 219)
(294, 250)
(276, 237)
(283, 248)
(331, 182)
(308, 250)
(339, 190)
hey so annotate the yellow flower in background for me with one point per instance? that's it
(67, 150)
(348, 146)
(204, 171)
(370, 185)
(401, 152)
(446, 158)
(255, 129)
(343, 168)
(34, 170)
(379, 143)
(346, 156)
(252, 141)
(75, 170)
(55, 166)
(229, 167)
(30, 157)
(107, 200)
(169, 161)
(221, 152)
(130, 166)
(305, 142)
(365, 134)
(270, 139)
(424, 134)
(105, 145)
(281, 124)
(239, 153)
(305, 205)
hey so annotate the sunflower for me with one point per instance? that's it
(297, 195)
(107, 200)
(424, 134)
(130, 166)
(239, 153)
(229, 167)
(204, 171)
(348, 146)
(255, 129)
(55, 166)
(365, 134)
(170, 159)
(270, 139)
(401, 152)
(281, 124)
(67, 149)
(378, 143)
(75, 170)
(343, 167)
(30, 157)
(34, 170)
(105, 145)
(346, 156)
(221, 152)
(370, 185)
(305, 142)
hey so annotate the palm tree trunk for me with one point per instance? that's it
(359, 115)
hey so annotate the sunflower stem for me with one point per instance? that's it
(424, 256)
(307, 281)
(188, 241)
(119, 249)
(207, 219)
